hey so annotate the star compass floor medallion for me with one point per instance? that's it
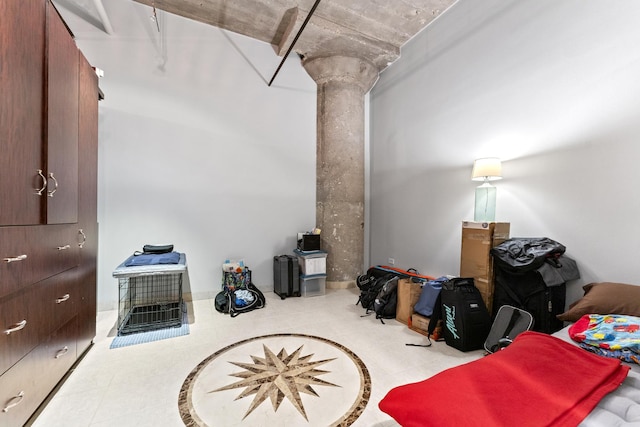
(276, 380)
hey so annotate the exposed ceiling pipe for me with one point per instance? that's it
(304, 24)
(103, 16)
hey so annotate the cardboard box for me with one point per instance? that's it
(408, 296)
(475, 259)
(419, 322)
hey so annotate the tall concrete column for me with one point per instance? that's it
(342, 83)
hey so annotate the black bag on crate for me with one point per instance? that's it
(154, 250)
(465, 316)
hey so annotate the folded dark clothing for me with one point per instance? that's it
(153, 259)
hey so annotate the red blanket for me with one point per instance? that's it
(539, 380)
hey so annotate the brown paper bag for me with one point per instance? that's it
(408, 295)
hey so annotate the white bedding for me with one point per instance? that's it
(620, 407)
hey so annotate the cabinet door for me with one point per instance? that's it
(62, 121)
(22, 44)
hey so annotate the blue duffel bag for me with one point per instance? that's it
(428, 296)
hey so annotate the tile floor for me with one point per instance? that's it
(139, 385)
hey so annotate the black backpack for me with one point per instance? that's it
(378, 294)
(385, 303)
(369, 286)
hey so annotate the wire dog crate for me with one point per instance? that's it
(149, 297)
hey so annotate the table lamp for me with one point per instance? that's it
(486, 170)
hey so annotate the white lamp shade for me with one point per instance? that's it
(488, 169)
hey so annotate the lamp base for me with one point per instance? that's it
(485, 208)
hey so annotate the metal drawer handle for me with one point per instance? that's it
(44, 183)
(62, 352)
(84, 238)
(55, 184)
(17, 400)
(64, 248)
(16, 327)
(14, 259)
(62, 298)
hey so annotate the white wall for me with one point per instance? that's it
(194, 148)
(549, 86)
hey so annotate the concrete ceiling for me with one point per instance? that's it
(373, 30)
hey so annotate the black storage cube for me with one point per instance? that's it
(309, 242)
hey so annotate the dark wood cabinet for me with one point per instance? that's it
(61, 138)
(38, 115)
(48, 216)
(87, 201)
(22, 52)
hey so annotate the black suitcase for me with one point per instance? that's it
(466, 320)
(286, 276)
(531, 274)
(529, 292)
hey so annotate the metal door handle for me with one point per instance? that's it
(84, 238)
(16, 327)
(64, 248)
(63, 298)
(62, 352)
(17, 400)
(55, 184)
(44, 183)
(14, 259)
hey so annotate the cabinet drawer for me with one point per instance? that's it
(61, 295)
(21, 391)
(17, 258)
(30, 254)
(25, 386)
(59, 353)
(59, 249)
(25, 317)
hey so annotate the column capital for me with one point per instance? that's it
(346, 69)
